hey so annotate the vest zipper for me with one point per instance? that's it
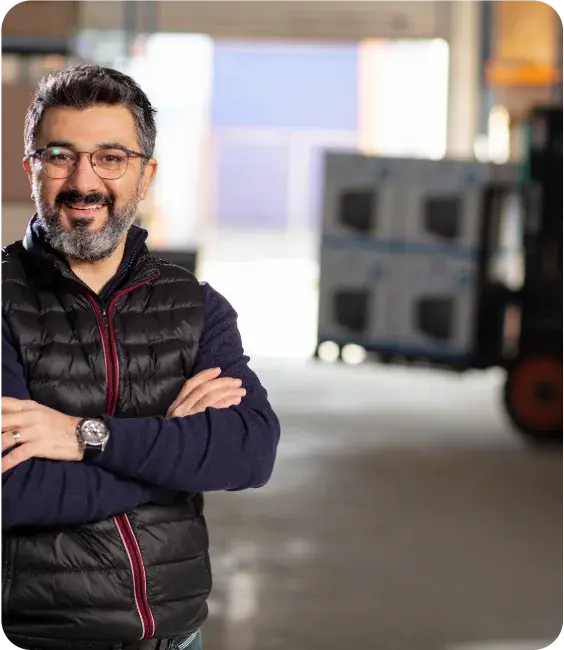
(138, 571)
(105, 324)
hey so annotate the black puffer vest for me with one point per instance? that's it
(137, 575)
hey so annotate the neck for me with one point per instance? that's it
(97, 274)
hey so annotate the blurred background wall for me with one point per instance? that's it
(250, 95)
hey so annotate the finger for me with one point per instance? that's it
(19, 455)
(180, 412)
(221, 384)
(194, 382)
(213, 399)
(7, 439)
(196, 393)
(226, 403)
(218, 396)
(12, 405)
(18, 421)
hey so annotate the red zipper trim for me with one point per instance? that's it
(112, 340)
(139, 579)
(107, 354)
(122, 521)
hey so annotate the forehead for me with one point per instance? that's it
(88, 128)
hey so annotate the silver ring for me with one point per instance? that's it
(17, 436)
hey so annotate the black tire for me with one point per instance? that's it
(532, 396)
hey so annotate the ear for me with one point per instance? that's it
(27, 169)
(29, 174)
(148, 176)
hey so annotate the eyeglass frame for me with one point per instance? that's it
(130, 153)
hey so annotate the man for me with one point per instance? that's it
(126, 393)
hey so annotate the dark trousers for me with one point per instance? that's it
(171, 644)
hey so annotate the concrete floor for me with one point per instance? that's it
(404, 513)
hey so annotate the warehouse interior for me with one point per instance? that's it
(387, 177)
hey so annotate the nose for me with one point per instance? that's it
(84, 179)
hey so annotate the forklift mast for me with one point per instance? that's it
(533, 388)
(541, 295)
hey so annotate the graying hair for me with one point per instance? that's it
(87, 85)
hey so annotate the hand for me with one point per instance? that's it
(44, 433)
(205, 390)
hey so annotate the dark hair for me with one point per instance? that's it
(86, 85)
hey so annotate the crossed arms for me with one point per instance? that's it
(150, 460)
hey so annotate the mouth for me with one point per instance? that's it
(83, 209)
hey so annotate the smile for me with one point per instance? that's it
(82, 206)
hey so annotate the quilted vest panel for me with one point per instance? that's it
(79, 586)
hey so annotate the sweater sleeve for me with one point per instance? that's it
(220, 449)
(41, 492)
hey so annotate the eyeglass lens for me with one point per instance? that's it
(59, 162)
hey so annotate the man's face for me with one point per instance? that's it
(84, 216)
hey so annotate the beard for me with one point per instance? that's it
(76, 242)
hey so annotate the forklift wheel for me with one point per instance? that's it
(533, 397)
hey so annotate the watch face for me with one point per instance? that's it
(94, 432)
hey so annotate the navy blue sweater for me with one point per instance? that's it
(150, 460)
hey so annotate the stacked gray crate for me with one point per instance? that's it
(401, 276)
(361, 199)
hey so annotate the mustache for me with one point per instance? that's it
(72, 196)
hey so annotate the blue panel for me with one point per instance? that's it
(399, 246)
(436, 353)
(253, 185)
(295, 86)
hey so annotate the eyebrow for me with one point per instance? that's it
(59, 143)
(112, 145)
(70, 145)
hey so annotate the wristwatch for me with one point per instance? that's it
(93, 435)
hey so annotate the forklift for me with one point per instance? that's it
(532, 393)
(516, 323)
(520, 329)
(533, 388)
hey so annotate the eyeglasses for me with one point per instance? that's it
(61, 162)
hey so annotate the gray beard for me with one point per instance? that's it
(77, 242)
